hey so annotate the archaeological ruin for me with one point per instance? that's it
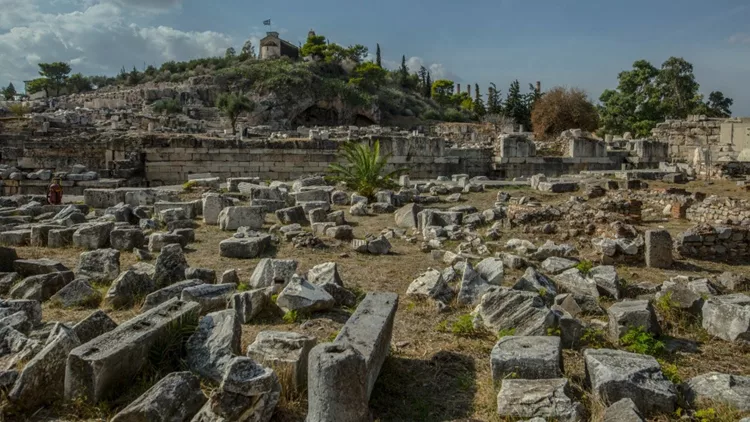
(193, 274)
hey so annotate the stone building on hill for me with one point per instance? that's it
(272, 47)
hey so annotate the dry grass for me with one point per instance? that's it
(431, 374)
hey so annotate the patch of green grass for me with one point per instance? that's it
(243, 287)
(442, 326)
(290, 317)
(464, 326)
(331, 338)
(595, 338)
(638, 340)
(584, 266)
(505, 332)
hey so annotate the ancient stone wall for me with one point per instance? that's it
(684, 136)
(720, 210)
(708, 242)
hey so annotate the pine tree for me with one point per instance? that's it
(428, 86)
(422, 75)
(516, 106)
(479, 108)
(377, 56)
(404, 70)
(494, 104)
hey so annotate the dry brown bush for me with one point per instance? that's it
(561, 109)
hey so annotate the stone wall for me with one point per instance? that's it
(720, 210)
(726, 137)
(713, 243)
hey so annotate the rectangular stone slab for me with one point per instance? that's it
(109, 362)
(369, 331)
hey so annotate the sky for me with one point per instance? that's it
(581, 43)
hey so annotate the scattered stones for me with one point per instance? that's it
(472, 287)
(99, 266)
(232, 218)
(526, 357)
(211, 297)
(213, 345)
(176, 397)
(615, 375)
(506, 309)
(248, 304)
(547, 398)
(170, 266)
(77, 293)
(623, 411)
(658, 249)
(491, 269)
(244, 248)
(728, 317)
(273, 273)
(733, 390)
(286, 352)
(430, 285)
(630, 314)
(301, 296)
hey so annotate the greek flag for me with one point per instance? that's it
(267, 22)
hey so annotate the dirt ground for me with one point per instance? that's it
(431, 374)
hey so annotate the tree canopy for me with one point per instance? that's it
(646, 95)
(233, 105)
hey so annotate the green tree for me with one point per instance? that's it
(78, 83)
(368, 76)
(134, 78)
(377, 56)
(230, 53)
(233, 105)
(315, 47)
(516, 106)
(678, 88)
(248, 51)
(442, 91)
(635, 106)
(9, 92)
(362, 168)
(562, 109)
(56, 74)
(494, 101)
(38, 85)
(717, 105)
(404, 69)
(428, 86)
(479, 108)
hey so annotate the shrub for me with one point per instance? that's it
(584, 266)
(363, 169)
(595, 338)
(18, 109)
(189, 185)
(167, 106)
(561, 109)
(432, 115)
(670, 371)
(638, 340)
(232, 105)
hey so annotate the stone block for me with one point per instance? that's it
(369, 331)
(526, 357)
(107, 363)
(284, 352)
(232, 218)
(545, 398)
(658, 249)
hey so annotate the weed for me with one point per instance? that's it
(505, 332)
(710, 411)
(18, 110)
(638, 340)
(554, 331)
(442, 326)
(274, 298)
(189, 185)
(584, 266)
(411, 306)
(542, 292)
(243, 287)
(670, 371)
(595, 338)
(290, 317)
(464, 326)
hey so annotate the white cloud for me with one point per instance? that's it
(414, 63)
(96, 39)
(740, 38)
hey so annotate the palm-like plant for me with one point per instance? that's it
(361, 168)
